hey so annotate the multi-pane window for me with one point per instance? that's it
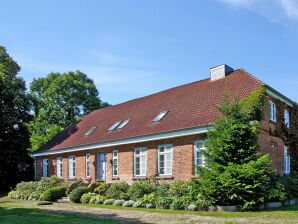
(140, 162)
(287, 161)
(272, 111)
(199, 148)
(287, 118)
(165, 156)
(88, 165)
(71, 166)
(45, 168)
(115, 162)
(59, 167)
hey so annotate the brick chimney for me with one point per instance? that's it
(220, 72)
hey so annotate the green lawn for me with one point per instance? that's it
(10, 214)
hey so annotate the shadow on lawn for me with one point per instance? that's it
(29, 215)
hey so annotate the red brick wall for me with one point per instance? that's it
(183, 156)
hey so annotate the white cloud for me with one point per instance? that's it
(290, 7)
(280, 11)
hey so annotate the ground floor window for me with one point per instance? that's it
(59, 167)
(287, 161)
(88, 165)
(165, 157)
(115, 162)
(140, 161)
(71, 166)
(45, 167)
(199, 148)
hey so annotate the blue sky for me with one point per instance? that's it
(135, 47)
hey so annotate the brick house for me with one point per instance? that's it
(160, 135)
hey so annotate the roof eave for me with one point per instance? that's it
(279, 96)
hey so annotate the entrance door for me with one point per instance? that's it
(101, 166)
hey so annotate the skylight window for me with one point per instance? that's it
(123, 124)
(160, 116)
(90, 131)
(114, 126)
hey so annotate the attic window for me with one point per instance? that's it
(114, 126)
(160, 116)
(123, 124)
(90, 131)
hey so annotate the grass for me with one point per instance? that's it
(11, 214)
(290, 212)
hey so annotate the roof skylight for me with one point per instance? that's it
(90, 131)
(160, 116)
(114, 126)
(123, 124)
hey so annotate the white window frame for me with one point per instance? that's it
(196, 150)
(59, 167)
(272, 111)
(287, 118)
(287, 161)
(45, 168)
(142, 159)
(166, 146)
(115, 158)
(88, 165)
(71, 167)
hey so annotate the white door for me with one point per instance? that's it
(102, 166)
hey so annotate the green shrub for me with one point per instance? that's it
(46, 183)
(290, 183)
(150, 206)
(27, 186)
(180, 188)
(148, 199)
(192, 207)
(180, 203)
(54, 193)
(101, 187)
(109, 201)
(164, 202)
(129, 203)
(137, 205)
(139, 188)
(76, 194)
(118, 202)
(13, 194)
(36, 196)
(97, 199)
(162, 189)
(118, 190)
(86, 197)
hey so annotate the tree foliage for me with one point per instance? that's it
(235, 174)
(59, 100)
(15, 164)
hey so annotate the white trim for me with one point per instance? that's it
(144, 154)
(158, 160)
(59, 161)
(153, 137)
(45, 167)
(116, 158)
(278, 97)
(196, 149)
(287, 161)
(72, 159)
(272, 111)
(86, 161)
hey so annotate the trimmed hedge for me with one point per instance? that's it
(54, 193)
(76, 194)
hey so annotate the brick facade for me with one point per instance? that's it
(183, 156)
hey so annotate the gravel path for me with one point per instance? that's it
(151, 217)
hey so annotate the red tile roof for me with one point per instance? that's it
(191, 105)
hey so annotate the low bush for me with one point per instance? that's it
(129, 203)
(86, 197)
(27, 186)
(139, 188)
(164, 202)
(180, 203)
(180, 188)
(290, 183)
(46, 183)
(137, 205)
(119, 202)
(148, 199)
(76, 194)
(36, 196)
(109, 201)
(101, 187)
(150, 206)
(192, 207)
(162, 189)
(97, 199)
(54, 193)
(118, 190)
